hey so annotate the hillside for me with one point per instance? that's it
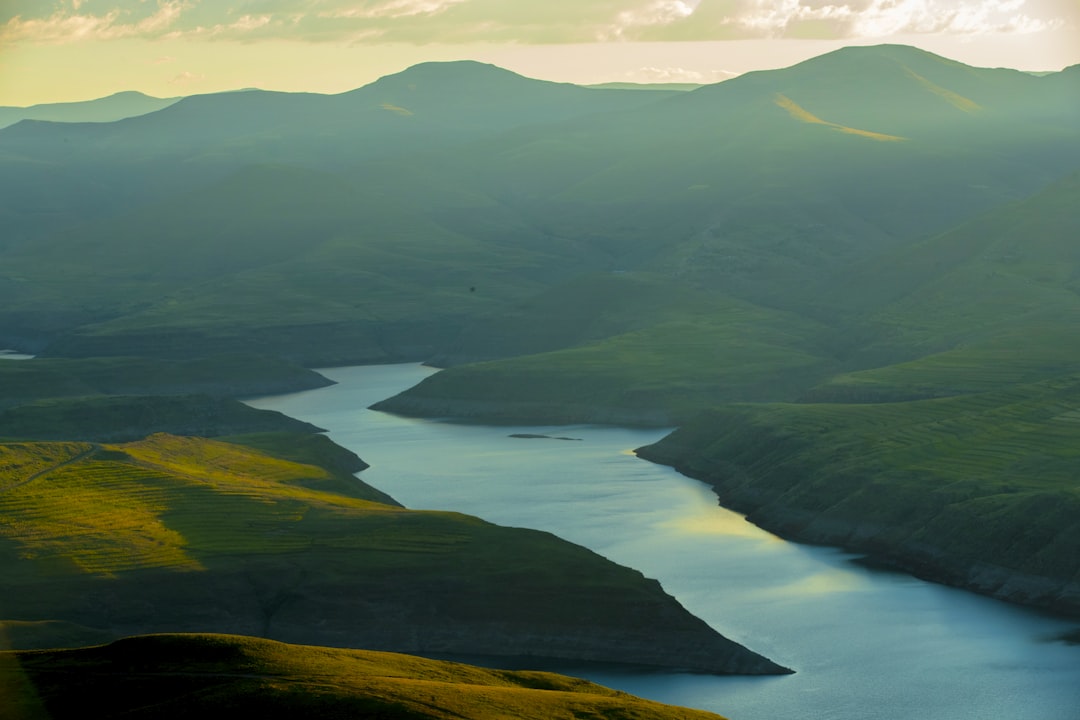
(236, 375)
(977, 491)
(185, 534)
(132, 417)
(175, 676)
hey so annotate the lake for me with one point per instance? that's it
(866, 644)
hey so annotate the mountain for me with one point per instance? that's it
(107, 109)
(272, 536)
(742, 191)
(425, 106)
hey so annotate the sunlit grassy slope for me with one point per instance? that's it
(977, 490)
(173, 533)
(175, 676)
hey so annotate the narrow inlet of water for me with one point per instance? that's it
(866, 645)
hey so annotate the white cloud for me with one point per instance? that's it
(524, 21)
(186, 78)
(883, 18)
(391, 9)
(888, 17)
(654, 13)
(679, 75)
(68, 25)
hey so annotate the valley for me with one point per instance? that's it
(850, 286)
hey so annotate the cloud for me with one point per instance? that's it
(68, 23)
(522, 21)
(186, 78)
(679, 75)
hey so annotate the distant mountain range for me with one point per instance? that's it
(107, 109)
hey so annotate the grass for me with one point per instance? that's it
(119, 418)
(242, 374)
(642, 349)
(179, 533)
(803, 115)
(175, 676)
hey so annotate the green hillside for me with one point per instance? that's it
(131, 417)
(977, 490)
(237, 375)
(175, 676)
(642, 350)
(187, 534)
(991, 303)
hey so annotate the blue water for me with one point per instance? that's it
(866, 645)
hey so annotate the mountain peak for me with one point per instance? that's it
(891, 53)
(452, 71)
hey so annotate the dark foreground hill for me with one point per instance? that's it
(178, 676)
(186, 534)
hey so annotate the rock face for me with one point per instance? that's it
(1028, 552)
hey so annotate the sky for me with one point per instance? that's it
(68, 50)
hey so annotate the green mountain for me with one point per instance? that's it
(187, 534)
(175, 676)
(387, 241)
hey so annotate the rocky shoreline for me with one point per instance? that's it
(893, 547)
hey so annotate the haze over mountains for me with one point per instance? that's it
(107, 109)
(878, 224)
